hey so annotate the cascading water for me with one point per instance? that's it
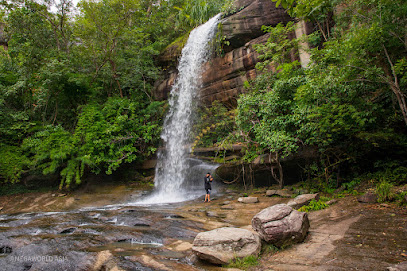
(173, 166)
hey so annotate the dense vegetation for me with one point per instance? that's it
(75, 83)
(348, 105)
(75, 89)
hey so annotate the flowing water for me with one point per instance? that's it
(139, 236)
(173, 173)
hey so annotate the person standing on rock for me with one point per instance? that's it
(208, 187)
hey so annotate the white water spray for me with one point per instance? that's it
(172, 166)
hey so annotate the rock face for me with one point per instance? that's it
(220, 246)
(280, 225)
(302, 200)
(224, 76)
(245, 25)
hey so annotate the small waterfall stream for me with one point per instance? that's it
(173, 167)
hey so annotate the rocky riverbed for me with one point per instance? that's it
(100, 229)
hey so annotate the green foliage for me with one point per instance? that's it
(314, 206)
(350, 186)
(213, 125)
(383, 191)
(195, 12)
(401, 198)
(243, 263)
(105, 136)
(278, 49)
(62, 74)
(12, 163)
(341, 105)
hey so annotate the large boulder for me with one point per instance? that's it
(302, 200)
(221, 246)
(281, 225)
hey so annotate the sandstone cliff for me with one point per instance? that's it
(224, 76)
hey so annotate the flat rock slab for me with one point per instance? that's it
(221, 246)
(281, 225)
(302, 200)
(248, 199)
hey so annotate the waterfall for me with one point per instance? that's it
(173, 167)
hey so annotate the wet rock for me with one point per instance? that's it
(248, 200)
(302, 200)
(226, 202)
(281, 225)
(214, 214)
(6, 250)
(67, 231)
(105, 262)
(398, 267)
(174, 217)
(220, 246)
(227, 207)
(281, 193)
(141, 224)
(368, 197)
(181, 246)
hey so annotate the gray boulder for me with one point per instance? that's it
(221, 246)
(281, 225)
(248, 200)
(302, 200)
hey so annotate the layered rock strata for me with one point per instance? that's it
(224, 76)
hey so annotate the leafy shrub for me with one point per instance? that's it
(244, 263)
(12, 163)
(213, 125)
(349, 186)
(269, 248)
(383, 191)
(313, 206)
(400, 198)
(107, 135)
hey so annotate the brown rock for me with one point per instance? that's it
(246, 24)
(248, 199)
(227, 207)
(220, 246)
(281, 225)
(368, 197)
(398, 267)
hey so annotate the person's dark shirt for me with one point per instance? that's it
(207, 180)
